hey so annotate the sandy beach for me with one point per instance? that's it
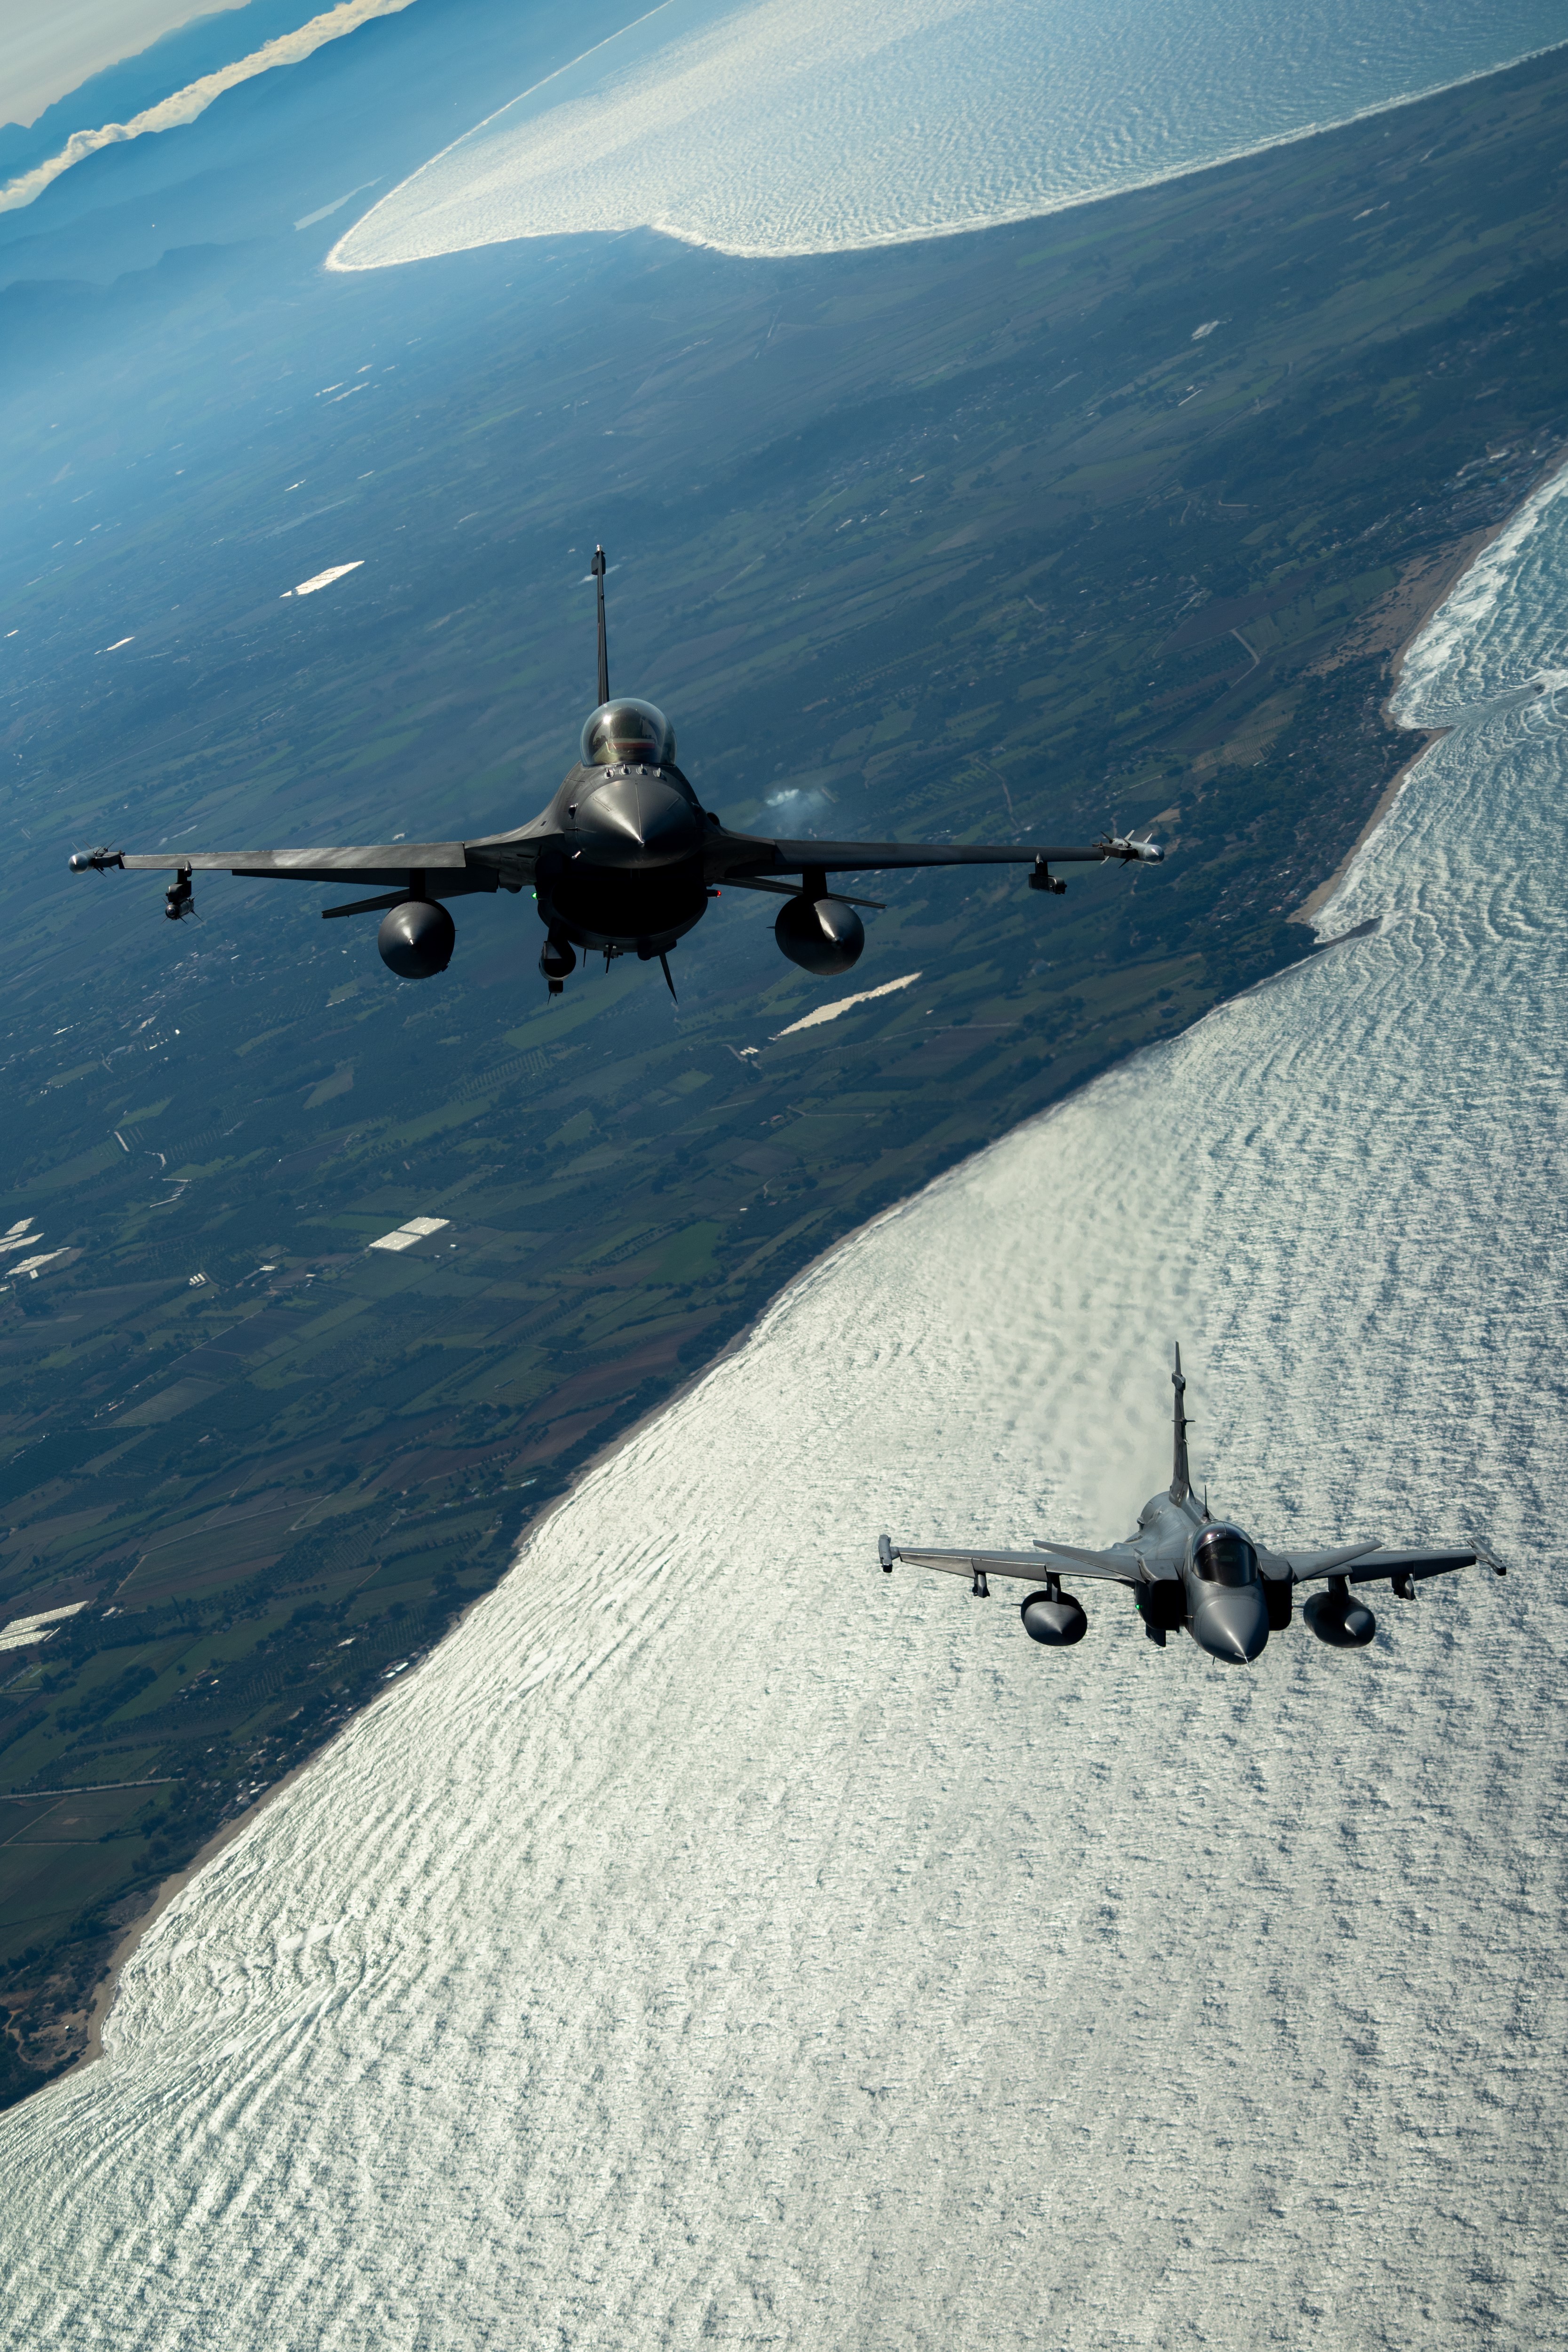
(1395, 626)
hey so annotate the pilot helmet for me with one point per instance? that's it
(1222, 1555)
(627, 734)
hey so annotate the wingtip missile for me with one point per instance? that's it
(95, 861)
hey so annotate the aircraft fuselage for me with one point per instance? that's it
(1207, 1581)
(627, 873)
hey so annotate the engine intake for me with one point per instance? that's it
(1163, 1604)
(822, 935)
(416, 938)
(1053, 1617)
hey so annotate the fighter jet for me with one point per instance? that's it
(1188, 1572)
(624, 860)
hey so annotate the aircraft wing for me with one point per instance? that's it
(444, 869)
(1057, 1559)
(1373, 1563)
(1301, 1566)
(388, 862)
(750, 854)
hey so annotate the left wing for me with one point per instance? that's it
(1371, 1563)
(1054, 1559)
(749, 854)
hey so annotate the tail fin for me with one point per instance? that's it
(1181, 1477)
(598, 568)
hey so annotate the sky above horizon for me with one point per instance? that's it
(45, 53)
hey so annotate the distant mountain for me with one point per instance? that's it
(367, 108)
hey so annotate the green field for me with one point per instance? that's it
(975, 539)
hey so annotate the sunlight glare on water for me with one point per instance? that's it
(719, 1941)
(807, 126)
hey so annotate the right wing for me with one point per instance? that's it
(388, 862)
(1054, 1559)
(434, 870)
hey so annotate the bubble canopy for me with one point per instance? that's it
(627, 734)
(1224, 1556)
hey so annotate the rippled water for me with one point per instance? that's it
(803, 126)
(719, 1941)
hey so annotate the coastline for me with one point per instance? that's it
(1432, 585)
(1437, 583)
(339, 263)
(1313, 904)
(168, 1891)
(1387, 630)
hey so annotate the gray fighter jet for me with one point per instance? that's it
(1187, 1570)
(624, 860)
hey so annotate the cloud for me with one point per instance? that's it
(799, 804)
(185, 105)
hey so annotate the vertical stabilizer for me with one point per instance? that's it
(1181, 1477)
(597, 568)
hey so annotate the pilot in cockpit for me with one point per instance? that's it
(1223, 1556)
(627, 734)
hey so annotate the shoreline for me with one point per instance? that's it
(107, 1990)
(1424, 583)
(168, 1891)
(1447, 574)
(1313, 904)
(1445, 577)
(925, 232)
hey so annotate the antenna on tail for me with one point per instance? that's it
(1181, 1477)
(598, 567)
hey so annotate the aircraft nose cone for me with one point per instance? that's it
(1233, 1625)
(636, 820)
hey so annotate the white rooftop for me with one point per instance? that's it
(23, 1630)
(416, 1230)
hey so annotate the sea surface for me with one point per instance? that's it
(717, 1941)
(809, 126)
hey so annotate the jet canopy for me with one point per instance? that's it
(627, 734)
(1223, 1556)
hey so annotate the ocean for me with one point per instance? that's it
(717, 1941)
(811, 126)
